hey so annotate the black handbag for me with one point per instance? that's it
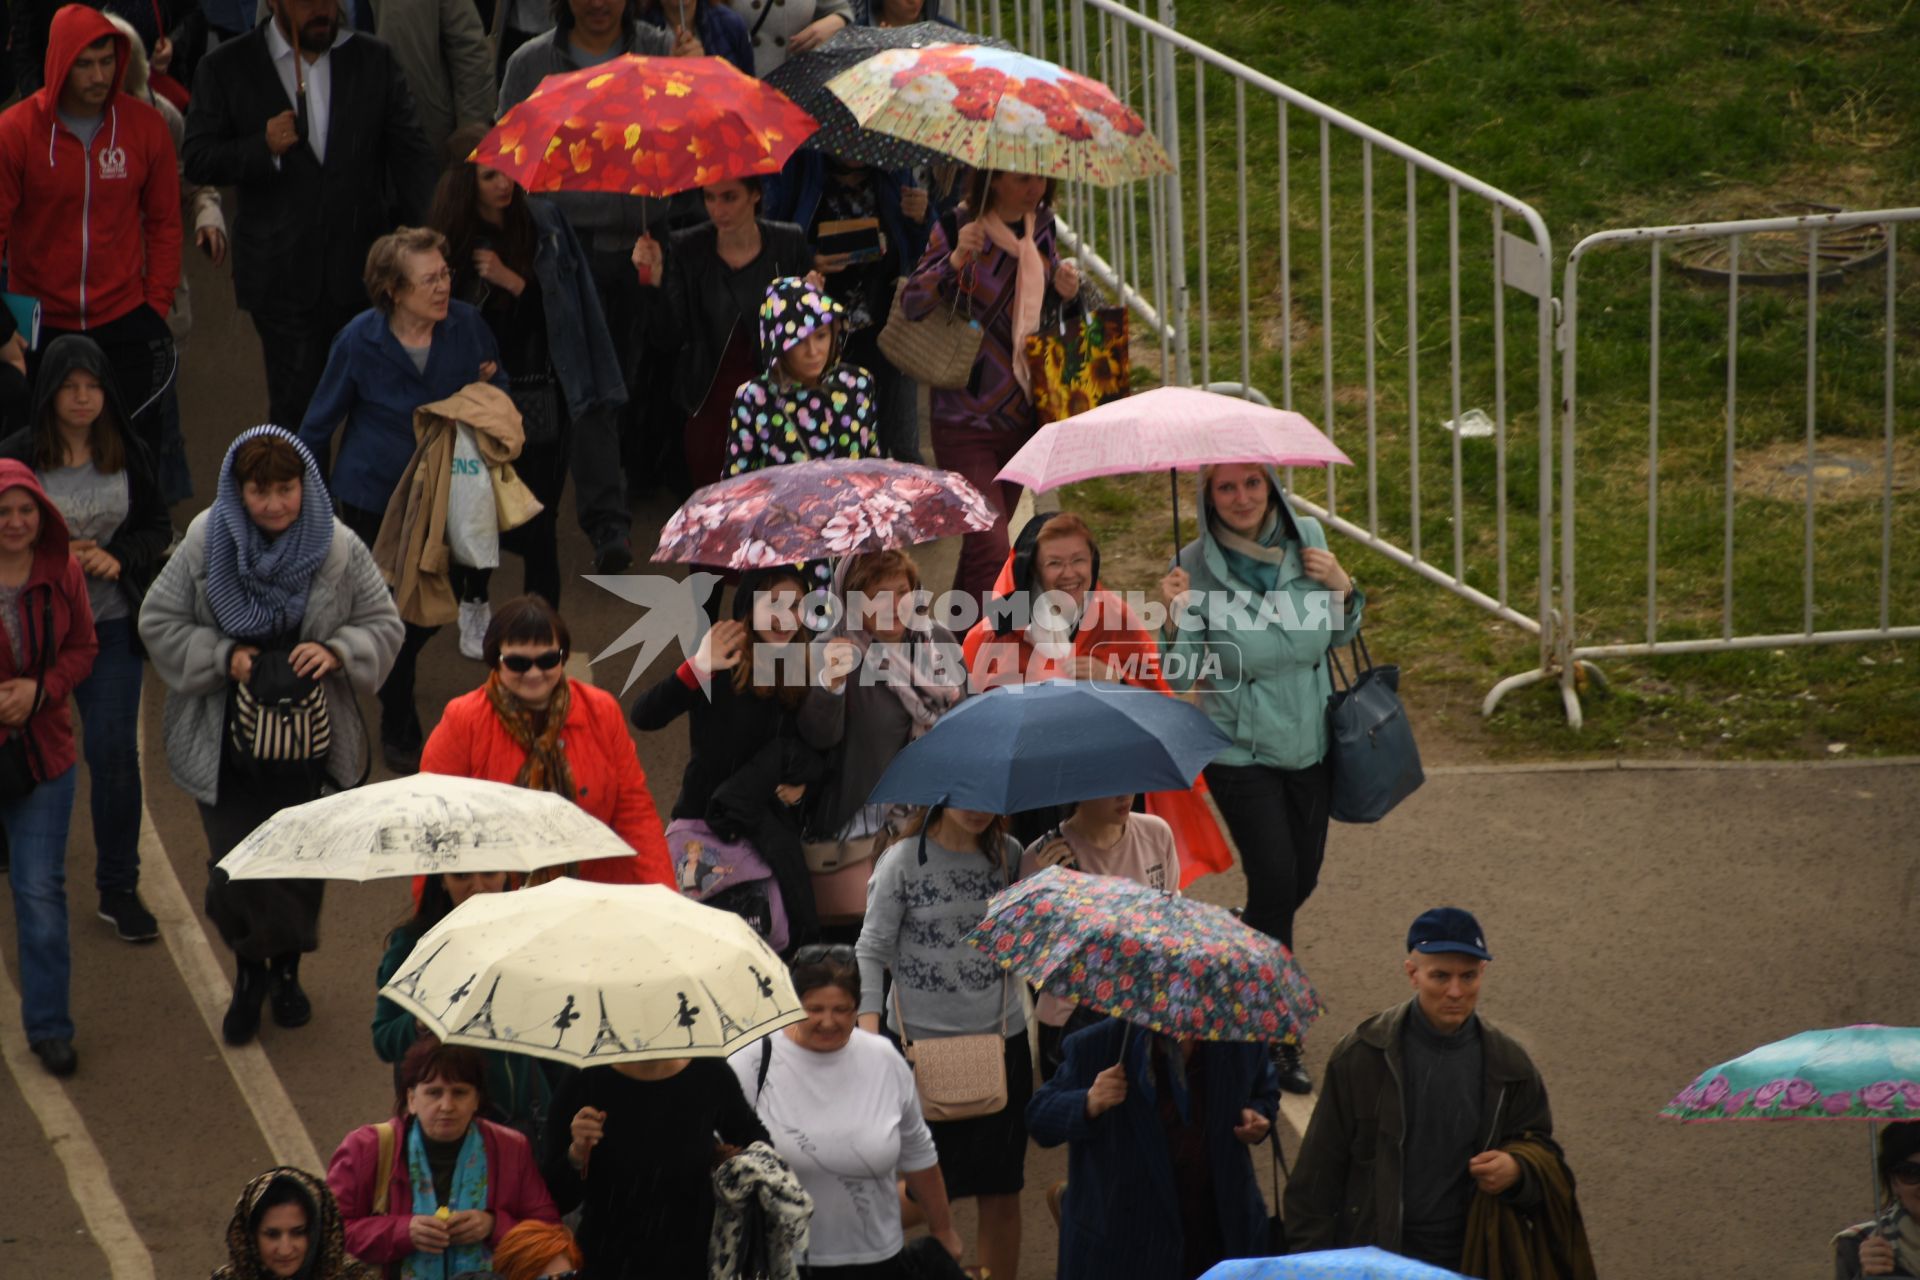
(1371, 754)
(278, 723)
(537, 397)
(19, 753)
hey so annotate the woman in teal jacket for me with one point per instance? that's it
(1254, 605)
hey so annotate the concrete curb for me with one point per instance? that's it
(1670, 766)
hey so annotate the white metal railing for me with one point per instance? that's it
(1576, 656)
(1152, 244)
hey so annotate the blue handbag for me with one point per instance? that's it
(1371, 754)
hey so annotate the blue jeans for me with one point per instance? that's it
(37, 836)
(109, 702)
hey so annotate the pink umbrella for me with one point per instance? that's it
(1179, 428)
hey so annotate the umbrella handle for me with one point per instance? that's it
(1126, 1034)
(1173, 483)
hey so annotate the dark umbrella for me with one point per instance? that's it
(1023, 747)
(804, 79)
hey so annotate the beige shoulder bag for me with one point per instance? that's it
(959, 1077)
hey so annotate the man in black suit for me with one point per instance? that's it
(313, 123)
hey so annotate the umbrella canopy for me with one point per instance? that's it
(1152, 957)
(1331, 1264)
(1849, 1073)
(595, 973)
(420, 826)
(1001, 110)
(1177, 428)
(804, 79)
(645, 127)
(820, 509)
(1025, 746)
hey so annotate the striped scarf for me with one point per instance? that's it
(257, 585)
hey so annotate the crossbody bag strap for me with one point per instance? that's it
(384, 1132)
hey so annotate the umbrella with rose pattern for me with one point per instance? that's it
(820, 509)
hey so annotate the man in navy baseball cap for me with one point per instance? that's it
(1418, 1109)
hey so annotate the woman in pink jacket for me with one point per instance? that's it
(453, 1185)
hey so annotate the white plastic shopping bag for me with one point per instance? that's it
(473, 528)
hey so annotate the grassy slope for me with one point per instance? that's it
(1600, 115)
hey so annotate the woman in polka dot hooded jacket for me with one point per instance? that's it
(808, 404)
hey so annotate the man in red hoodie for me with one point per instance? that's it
(90, 208)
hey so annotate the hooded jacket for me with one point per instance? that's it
(777, 420)
(140, 543)
(1270, 690)
(90, 229)
(327, 1257)
(54, 582)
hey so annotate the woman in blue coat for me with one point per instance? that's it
(414, 346)
(1160, 1185)
(1255, 603)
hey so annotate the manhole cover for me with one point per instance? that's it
(1780, 257)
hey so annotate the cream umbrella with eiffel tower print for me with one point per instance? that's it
(588, 973)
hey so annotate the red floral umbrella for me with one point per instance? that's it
(645, 127)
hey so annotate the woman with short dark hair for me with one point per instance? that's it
(393, 1178)
(1889, 1243)
(533, 725)
(415, 345)
(265, 580)
(843, 1111)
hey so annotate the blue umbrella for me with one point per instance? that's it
(1331, 1264)
(1027, 746)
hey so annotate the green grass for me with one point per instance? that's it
(1599, 115)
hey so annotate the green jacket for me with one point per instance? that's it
(1270, 687)
(519, 1087)
(1345, 1189)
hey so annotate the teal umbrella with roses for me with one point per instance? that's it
(1150, 957)
(1867, 1072)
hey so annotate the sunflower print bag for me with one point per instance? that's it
(1080, 365)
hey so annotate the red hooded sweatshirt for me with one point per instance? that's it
(55, 579)
(93, 230)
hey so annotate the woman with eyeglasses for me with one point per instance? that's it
(843, 1111)
(928, 892)
(1889, 1243)
(534, 726)
(414, 346)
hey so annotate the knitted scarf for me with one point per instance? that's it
(1029, 287)
(256, 584)
(546, 767)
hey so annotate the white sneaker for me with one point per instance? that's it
(475, 615)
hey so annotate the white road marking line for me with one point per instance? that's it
(252, 1070)
(87, 1178)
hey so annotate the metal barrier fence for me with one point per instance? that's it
(1778, 331)
(1256, 292)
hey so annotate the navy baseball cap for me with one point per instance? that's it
(1448, 929)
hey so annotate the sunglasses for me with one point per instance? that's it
(1907, 1174)
(815, 952)
(520, 663)
(561, 1275)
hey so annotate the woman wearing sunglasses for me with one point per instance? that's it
(532, 725)
(1889, 1245)
(539, 1251)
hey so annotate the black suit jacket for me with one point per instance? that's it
(302, 229)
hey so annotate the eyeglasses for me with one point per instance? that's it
(521, 663)
(443, 276)
(815, 952)
(1907, 1174)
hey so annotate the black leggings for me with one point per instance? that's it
(1278, 818)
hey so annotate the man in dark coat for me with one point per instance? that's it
(312, 121)
(1417, 1103)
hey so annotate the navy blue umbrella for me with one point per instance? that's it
(1023, 747)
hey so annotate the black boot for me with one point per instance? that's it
(242, 1022)
(291, 1008)
(1292, 1072)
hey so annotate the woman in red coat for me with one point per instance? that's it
(531, 725)
(450, 1186)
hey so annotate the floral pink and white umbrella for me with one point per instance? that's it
(1002, 110)
(818, 510)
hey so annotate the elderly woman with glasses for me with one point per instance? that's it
(1888, 1244)
(842, 1109)
(414, 346)
(533, 725)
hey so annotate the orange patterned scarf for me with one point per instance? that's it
(546, 767)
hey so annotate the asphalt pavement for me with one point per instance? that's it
(1647, 922)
